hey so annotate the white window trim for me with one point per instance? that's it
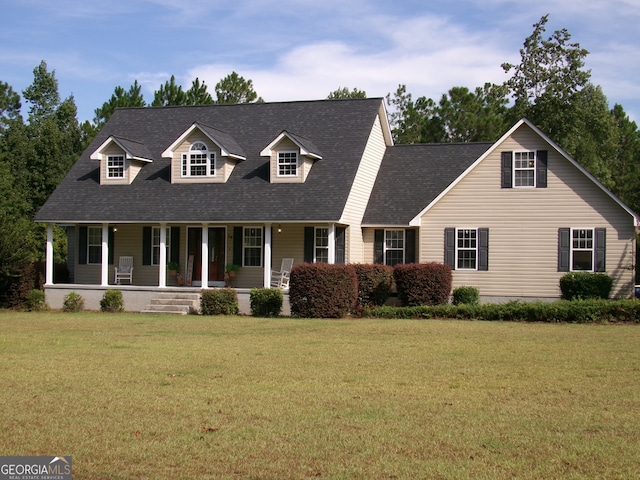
(89, 245)
(520, 169)
(297, 163)
(245, 247)
(155, 233)
(592, 249)
(457, 267)
(186, 161)
(404, 244)
(120, 167)
(317, 247)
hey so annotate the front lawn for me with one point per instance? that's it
(134, 396)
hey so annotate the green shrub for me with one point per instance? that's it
(583, 285)
(222, 301)
(466, 295)
(266, 302)
(320, 290)
(423, 283)
(374, 284)
(73, 302)
(35, 301)
(112, 301)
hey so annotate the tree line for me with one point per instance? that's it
(550, 87)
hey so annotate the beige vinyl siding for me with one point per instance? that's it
(223, 165)
(523, 224)
(304, 163)
(360, 193)
(111, 150)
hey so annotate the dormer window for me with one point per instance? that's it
(199, 162)
(287, 164)
(115, 166)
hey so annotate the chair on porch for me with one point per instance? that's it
(124, 270)
(280, 278)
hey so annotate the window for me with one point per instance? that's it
(94, 245)
(115, 166)
(199, 162)
(582, 249)
(393, 247)
(252, 247)
(466, 248)
(287, 164)
(524, 169)
(155, 245)
(321, 246)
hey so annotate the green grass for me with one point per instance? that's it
(147, 397)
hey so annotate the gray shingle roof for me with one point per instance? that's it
(339, 129)
(412, 176)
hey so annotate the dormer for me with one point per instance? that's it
(291, 158)
(121, 160)
(203, 154)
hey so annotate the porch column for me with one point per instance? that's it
(48, 278)
(267, 255)
(205, 255)
(162, 277)
(332, 244)
(105, 255)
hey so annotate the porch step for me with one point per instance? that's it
(174, 303)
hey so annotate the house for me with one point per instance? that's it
(321, 181)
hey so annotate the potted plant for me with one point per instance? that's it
(173, 268)
(232, 268)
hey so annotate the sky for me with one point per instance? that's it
(305, 49)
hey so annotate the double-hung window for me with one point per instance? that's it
(115, 166)
(199, 162)
(524, 169)
(155, 245)
(582, 249)
(321, 245)
(393, 247)
(466, 248)
(94, 245)
(252, 247)
(287, 164)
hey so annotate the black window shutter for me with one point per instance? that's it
(309, 240)
(110, 245)
(341, 245)
(237, 245)
(564, 249)
(601, 250)
(450, 247)
(410, 246)
(483, 249)
(146, 245)
(507, 166)
(174, 254)
(82, 245)
(541, 169)
(378, 246)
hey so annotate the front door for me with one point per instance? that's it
(216, 254)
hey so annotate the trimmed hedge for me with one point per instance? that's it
(374, 284)
(466, 295)
(223, 301)
(320, 290)
(423, 283)
(563, 311)
(73, 302)
(266, 302)
(583, 285)
(35, 301)
(112, 302)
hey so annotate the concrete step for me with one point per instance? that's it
(175, 303)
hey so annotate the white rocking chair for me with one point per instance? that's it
(280, 278)
(124, 270)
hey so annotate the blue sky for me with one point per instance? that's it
(304, 49)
